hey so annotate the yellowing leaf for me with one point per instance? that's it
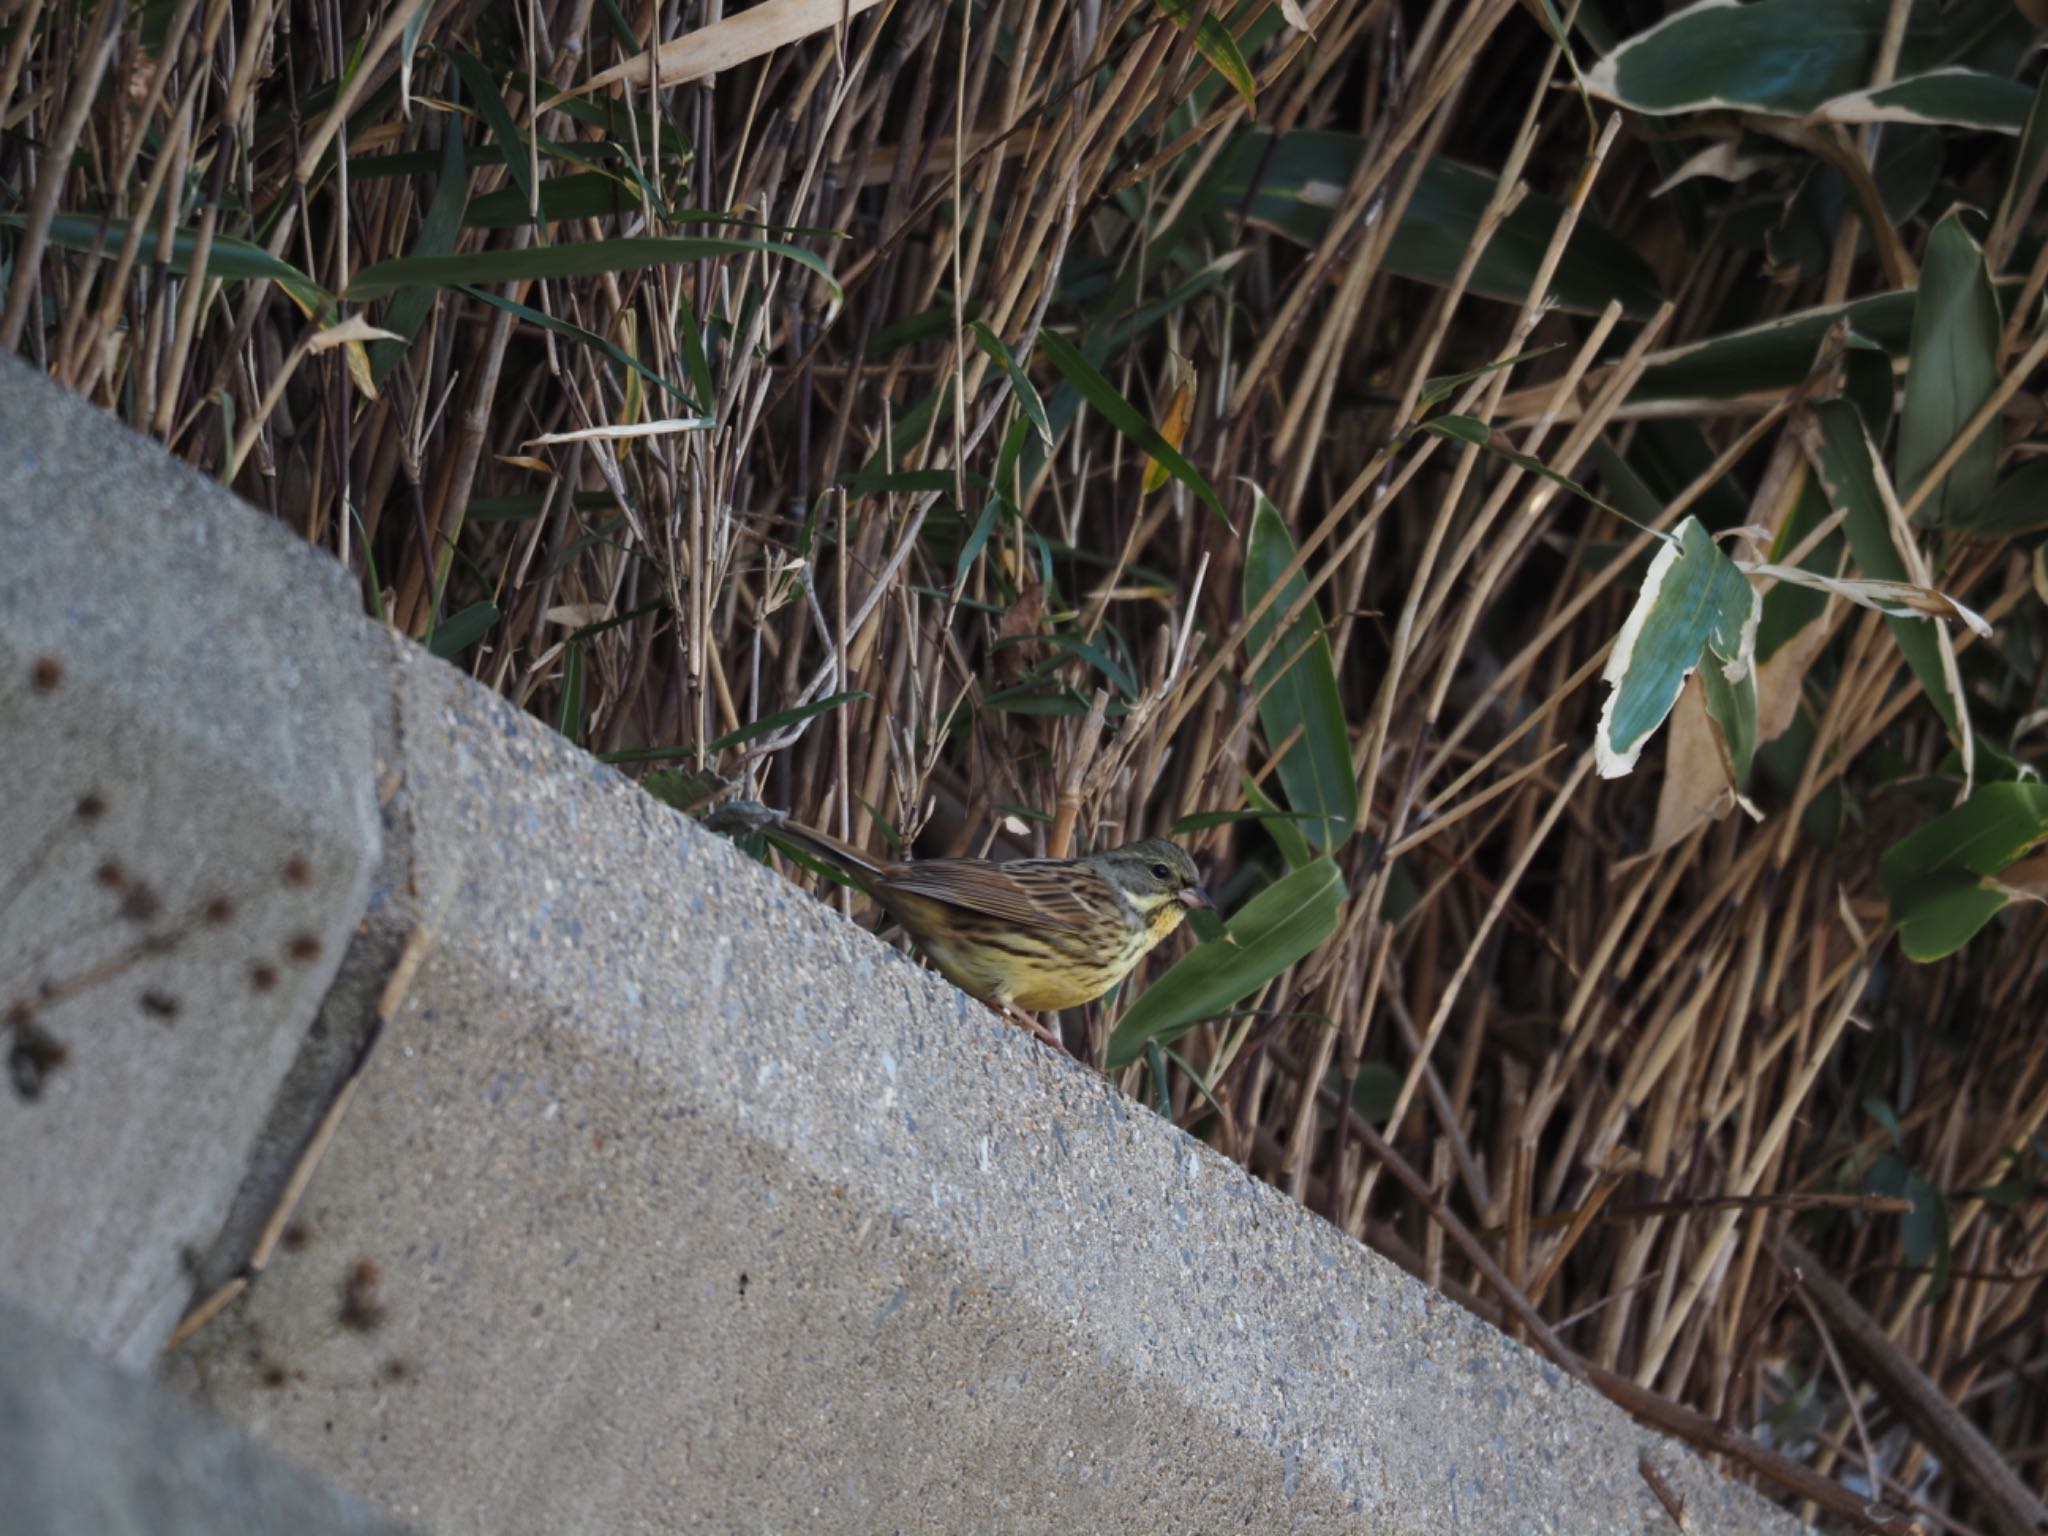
(525, 461)
(1696, 788)
(1214, 42)
(1173, 426)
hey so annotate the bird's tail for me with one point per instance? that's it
(825, 846)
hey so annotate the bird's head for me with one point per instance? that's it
(1160, 879)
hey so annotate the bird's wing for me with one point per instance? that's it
(1052, 894)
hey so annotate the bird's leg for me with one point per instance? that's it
(1011, 1013)
(1095, 1049)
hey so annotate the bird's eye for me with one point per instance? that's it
(1161, 872)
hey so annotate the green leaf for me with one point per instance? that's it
(452, 636)
(1276, 928)
(1026, 699)
(409, 43)
(1296, 188)
(1296, 686)
(1848, 475)
(767, 725)
(1020, 381)
(1215, 43)
(490, 102)
(1925, 1235)
(1376, 1092)
(585, 258)
(1464, 429)
(1155, 1067)
(2019, 504)
(569, 720)
(1443, 388)
(1867, 380)
(683, 788)
(978, 535)
(1468, 429)
(580, 195)
(576, 333)
(1773, 356)
(925, 325)
(409, 308)
(912, 480)
(1961, 98)
(228, 257)
(1954, 370)
(1934, 878)
(1121, 414)
(1779, 56)
(2033, 146)
(1087, 650)
(1203, 820)
(694, 358)
(1693, 602)
(1732, 708)
(1281, 826)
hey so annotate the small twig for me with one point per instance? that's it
(388, 1003)
(2015, 1508)
(1079, 758)
(1674, 1506)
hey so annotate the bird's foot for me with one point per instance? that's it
(1015, 1015)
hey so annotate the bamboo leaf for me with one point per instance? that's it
(1731, 705)
(1782, 56)
(1020, 381)
(585, 258)
(228, 257)
(1276, 928)
(490, 102)
(2019, 504)
(1294, 186)
(443, 221)
(1296, 686)
(1215, 43)
(1962, 98)
(1848, 476)
(767, 725)
(1937, 881)
(1955, 368)
(576, 333)
(1693, 604)
(456, 634)
(1121, 414)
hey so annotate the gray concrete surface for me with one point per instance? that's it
(89, 1449)
(672, 1201)
(199, 674)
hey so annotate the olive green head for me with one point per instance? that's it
(1157, 876)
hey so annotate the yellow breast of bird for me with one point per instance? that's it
(1038, 971)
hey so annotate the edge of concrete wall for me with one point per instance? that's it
(187, 805)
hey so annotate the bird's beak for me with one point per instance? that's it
(1194, 896)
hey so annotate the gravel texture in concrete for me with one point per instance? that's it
(672, 1201)
(89, 1449)
(188, 819)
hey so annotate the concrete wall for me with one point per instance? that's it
(672, 1201)
(89, 1449)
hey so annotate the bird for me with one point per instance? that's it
(1027, 935)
